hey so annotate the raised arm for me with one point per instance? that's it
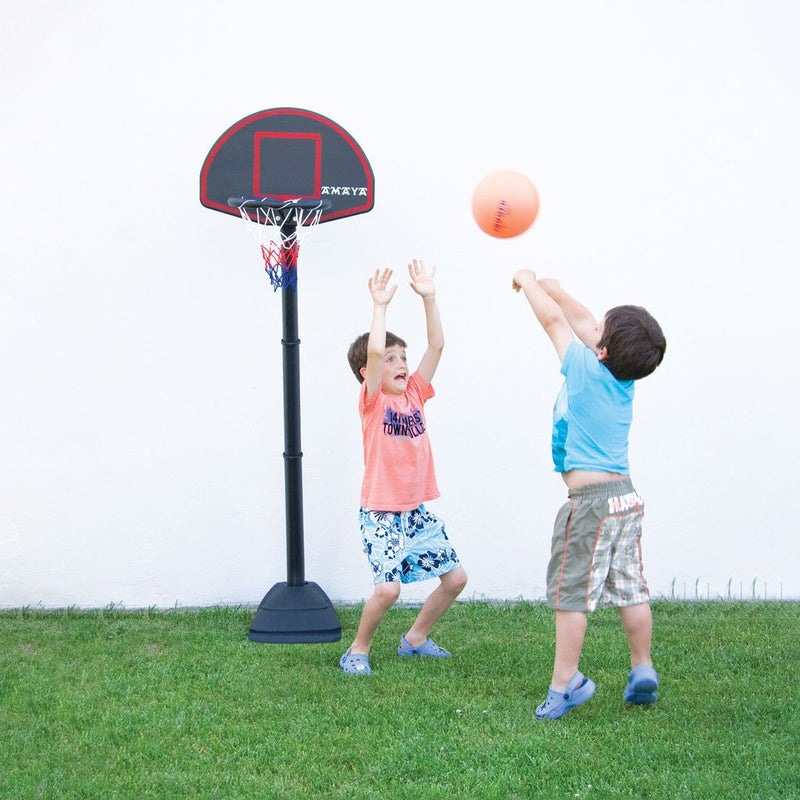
(422, 283)
(550, 315)
(578, 316)
(382, 295)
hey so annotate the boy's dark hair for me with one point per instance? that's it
(634, 341)
(357, 354)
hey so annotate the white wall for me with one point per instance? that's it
(141, 426)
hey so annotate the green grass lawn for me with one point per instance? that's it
(180, 704)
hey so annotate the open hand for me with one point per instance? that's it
(379, 287)
(421, 282)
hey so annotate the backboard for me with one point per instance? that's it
(288, 154)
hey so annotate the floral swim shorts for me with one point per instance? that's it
(406, 546)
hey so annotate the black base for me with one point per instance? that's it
(295, 614)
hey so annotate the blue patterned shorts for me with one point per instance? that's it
(406, 546)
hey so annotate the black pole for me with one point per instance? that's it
(297, 610)
(293, 454)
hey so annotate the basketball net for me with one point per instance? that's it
(279, 231)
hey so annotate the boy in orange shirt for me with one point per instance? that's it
(404, 541)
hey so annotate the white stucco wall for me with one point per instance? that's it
(141, 429)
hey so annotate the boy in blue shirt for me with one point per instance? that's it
(595, 553)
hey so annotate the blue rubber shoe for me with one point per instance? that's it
(579, 690)
(355, 663)
(642, 688)
(428, 649)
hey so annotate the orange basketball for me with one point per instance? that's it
(505, 204)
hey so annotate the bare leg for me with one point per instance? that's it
(439, 600)
(570, 631)
(637, 621)
(383, 598)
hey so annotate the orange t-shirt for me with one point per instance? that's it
(398, 462)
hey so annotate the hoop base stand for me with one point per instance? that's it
(295, 615)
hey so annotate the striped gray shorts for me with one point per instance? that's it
(596, 552)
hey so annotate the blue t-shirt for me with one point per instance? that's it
(592, 415)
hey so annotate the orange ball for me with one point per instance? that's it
(505, 204)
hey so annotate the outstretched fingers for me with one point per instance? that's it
(421, 280)
(379, 286)
(381, 278)
(416, 269)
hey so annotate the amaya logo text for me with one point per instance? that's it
(344, 191)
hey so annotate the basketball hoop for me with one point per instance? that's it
(279, 226)
(288, 153)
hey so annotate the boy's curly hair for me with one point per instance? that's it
(357, 353)
(634, 341)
